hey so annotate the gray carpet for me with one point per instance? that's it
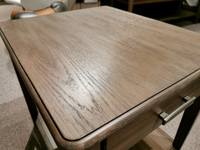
(193, 140)
(193, 27)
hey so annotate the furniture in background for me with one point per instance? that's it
(81, 5)
(41, 4)
(55, 7)
(193, 6)
(70, 4)
(44, 6)
(2, 2)
(107, 81)
(164, 10)
(14, 2)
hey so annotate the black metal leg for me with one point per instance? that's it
(187, 121)
(29, 100)
(104, 144)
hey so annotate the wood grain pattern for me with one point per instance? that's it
(89, 67)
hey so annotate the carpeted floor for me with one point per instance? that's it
(193, 27)
(193, 140)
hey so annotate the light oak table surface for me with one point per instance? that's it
(92, 71)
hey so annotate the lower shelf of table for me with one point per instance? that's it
(156, 140)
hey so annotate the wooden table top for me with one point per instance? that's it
(92, 66)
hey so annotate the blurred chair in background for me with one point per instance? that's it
(42, 7)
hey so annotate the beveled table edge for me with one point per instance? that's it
(107, 129)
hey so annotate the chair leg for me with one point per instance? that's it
(30, 103)
(130, 5)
